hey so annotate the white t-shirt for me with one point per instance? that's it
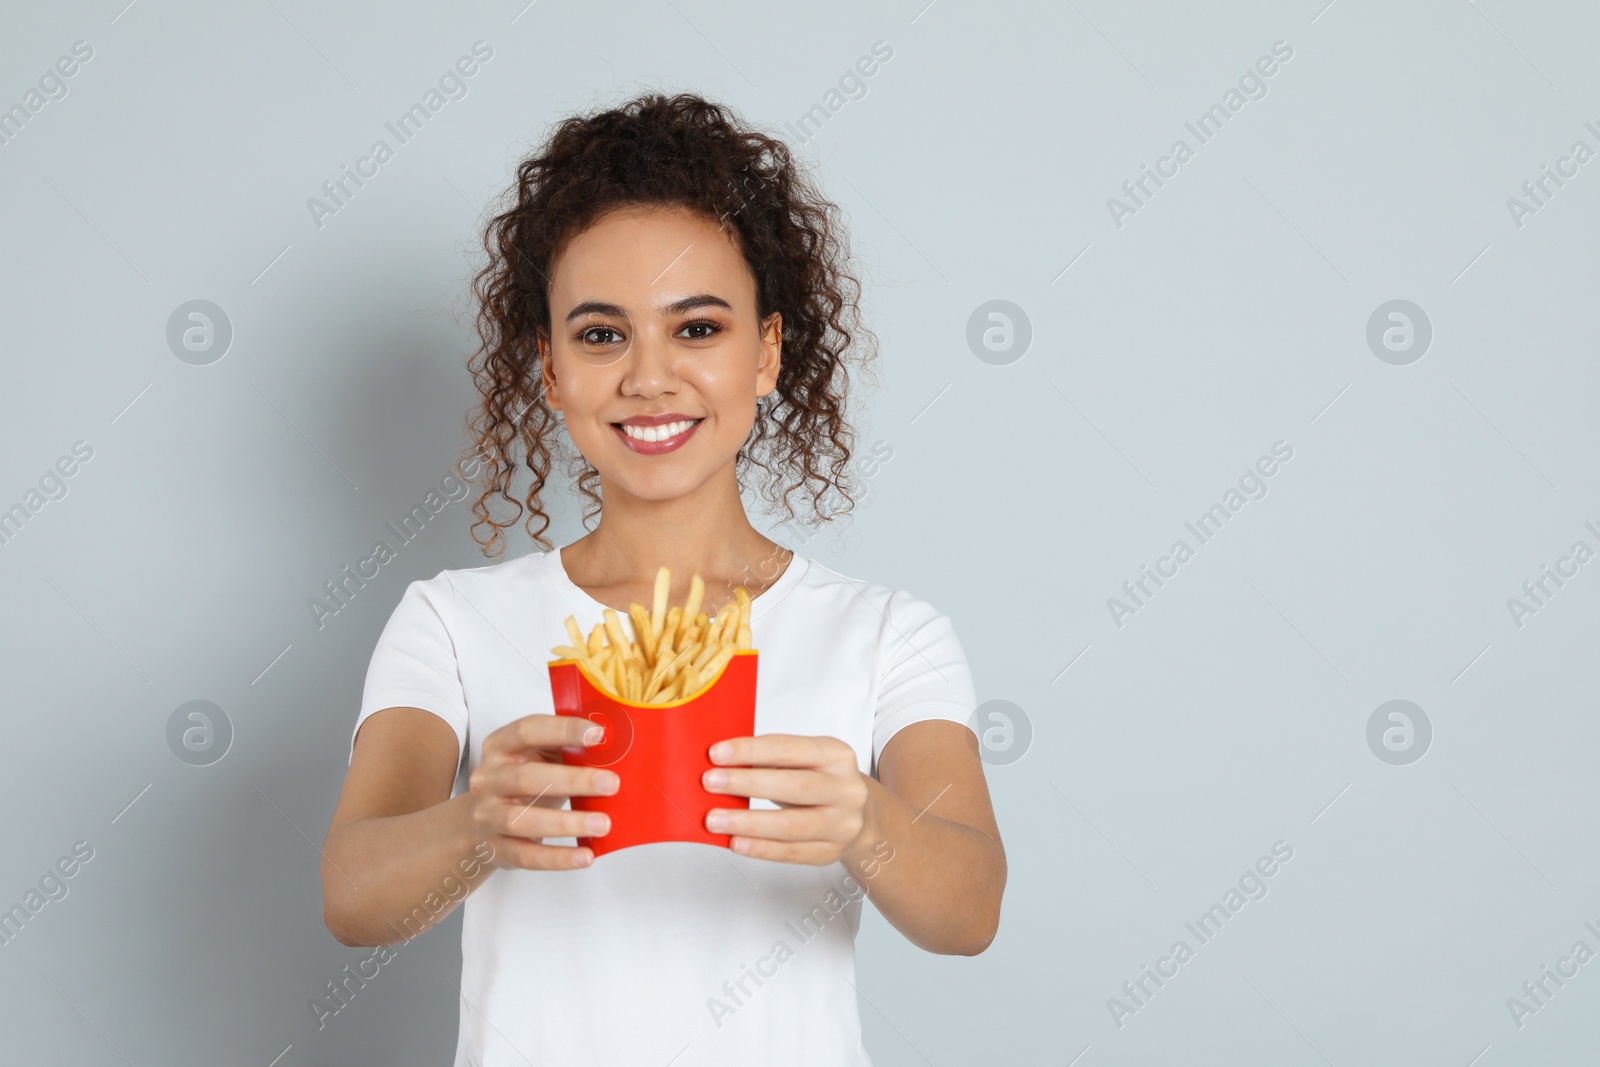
(676, 952)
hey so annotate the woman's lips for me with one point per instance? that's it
(655, 448)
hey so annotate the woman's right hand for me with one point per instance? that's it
(520, 787)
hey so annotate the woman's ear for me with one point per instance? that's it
(771, 354)
(547, 374)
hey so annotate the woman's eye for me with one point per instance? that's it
(588, 336)
(710, 329)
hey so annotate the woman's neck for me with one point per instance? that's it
(705, 533)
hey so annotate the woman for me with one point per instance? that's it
(669, 287)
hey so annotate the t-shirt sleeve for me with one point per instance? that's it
(923, 672)
(414, 664)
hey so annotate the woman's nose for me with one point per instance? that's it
(649, 359)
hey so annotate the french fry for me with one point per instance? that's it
(680, 661)
(657, 676)
(718, 661)
(575, 633)
(697, 594)
(644, 630)
(665, 677)
(664, 654)
(704, 657)
(724, 613)
(666, 646)
(614, 629)
(658, 610)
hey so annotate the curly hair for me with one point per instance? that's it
(678, 151)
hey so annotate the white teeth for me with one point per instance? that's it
(657, 433)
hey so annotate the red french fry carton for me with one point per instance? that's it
(659, 751)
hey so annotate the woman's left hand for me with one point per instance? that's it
(822, 794)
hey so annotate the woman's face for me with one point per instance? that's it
(656, 353)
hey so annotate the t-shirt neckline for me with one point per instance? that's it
(760, 604)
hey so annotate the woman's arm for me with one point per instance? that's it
(402, 852)
(397, 834)
(921, 838)
(930, 802)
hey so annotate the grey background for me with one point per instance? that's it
(1167, 755)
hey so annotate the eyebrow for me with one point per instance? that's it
(677, 307)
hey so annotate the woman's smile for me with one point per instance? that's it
(652, 435)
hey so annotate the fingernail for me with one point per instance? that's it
(582, 858)
(716, 779)
(606, 781)
(719, 752)
(597, 824)
(594, 735)
(717, 821)
(741, 845)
